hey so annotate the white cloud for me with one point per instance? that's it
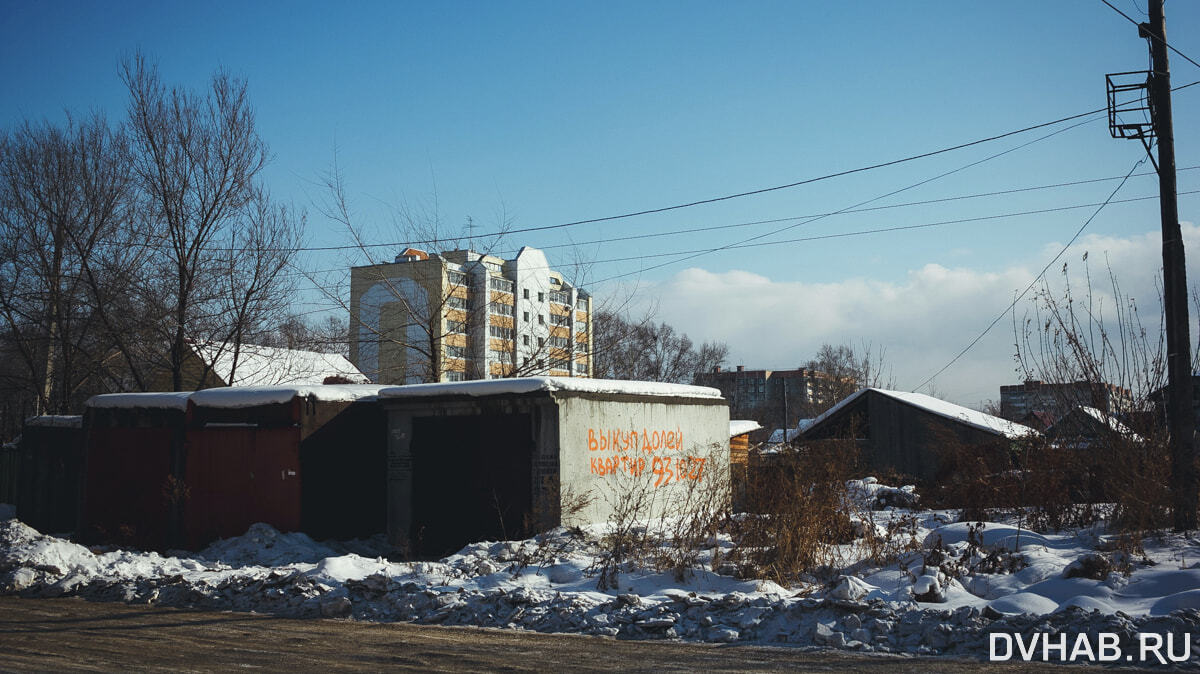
(922, 321)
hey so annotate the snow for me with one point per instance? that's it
(270, 366)
(1111, 422)
(940, 598)
(792, 433)
(251, 396)
(237, 396)
(941, 408)
(742, 426)
(490, 387)
(56, 421)
(161, 401)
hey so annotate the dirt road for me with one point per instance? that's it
(76, 635)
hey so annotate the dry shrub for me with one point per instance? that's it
(630, 539)
(799, 510)
(703, 510)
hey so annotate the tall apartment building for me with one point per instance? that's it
(464, 315)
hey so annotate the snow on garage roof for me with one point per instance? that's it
(236, 396)
(152, 401)
(742, 426)
(56, 421)
(271, 366)
(251, 396)
(941, 408)
(489, 387)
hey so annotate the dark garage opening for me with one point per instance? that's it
(472, 480)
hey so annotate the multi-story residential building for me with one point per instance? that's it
(1019, 401)
(464, 315)
(760, 394)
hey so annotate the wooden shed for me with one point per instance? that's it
(913, 433)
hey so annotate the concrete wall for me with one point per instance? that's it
(630, 447)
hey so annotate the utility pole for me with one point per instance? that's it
(1154, 88)
(1180, 415)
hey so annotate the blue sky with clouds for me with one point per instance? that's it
(546, 112)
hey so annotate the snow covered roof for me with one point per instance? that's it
(251, 396)
(801, 426)
(236, 396)
(742, 426)
(56, 421)
(270, 366)
(1110, 421)
(489, 387)
(152, 401)
(970, 417)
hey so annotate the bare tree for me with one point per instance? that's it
(64, 215)
(650, 351)
(220, 244)
(435, 323)
(850, 368)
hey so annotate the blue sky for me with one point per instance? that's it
(551, 112)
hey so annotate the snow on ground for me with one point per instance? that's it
(957, 583)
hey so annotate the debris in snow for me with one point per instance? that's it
(869, 494)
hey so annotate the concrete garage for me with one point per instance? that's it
(496, 459)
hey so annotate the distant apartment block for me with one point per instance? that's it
(1019, 401)
(463, 315)
(752, 390)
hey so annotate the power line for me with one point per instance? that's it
(1152, 36)
(1035, 279)
(836, 235)
(869, 209)
(852, 206)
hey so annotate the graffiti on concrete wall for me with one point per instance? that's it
(656, 453)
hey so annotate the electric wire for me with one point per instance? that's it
(1035, 280)
(1152, 35)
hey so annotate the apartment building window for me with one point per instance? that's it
(581, 367)
(457, 327)
(541, 319)
(455, 375)
(525, 340)
(525, 293)
(560, 342)
(541, 341)
(457, 278)
(503, 309)
(556, 319)
(526, 315)
(581, 304)
(499, 332)
(541, 297)
(502, 284)
(456, 351)
(502, 356)
(560, 364)
(560, 296)
(455, 302)
(582, 339)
